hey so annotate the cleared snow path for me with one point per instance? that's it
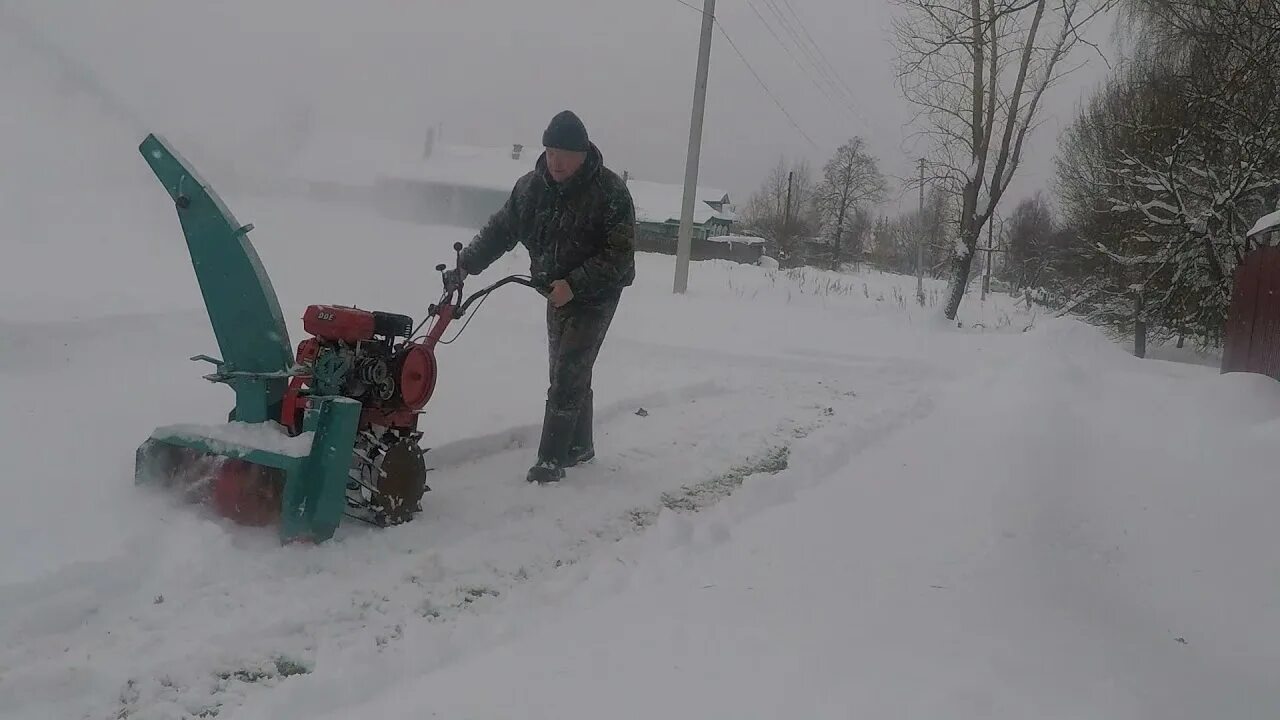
(185, 615)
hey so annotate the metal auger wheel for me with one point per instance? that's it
(388, 478)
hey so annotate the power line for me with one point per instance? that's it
(821, 55)
(826, 93)
(819, 66)
(785, 24)
(755, 74)
(769, 92)
(791, 32)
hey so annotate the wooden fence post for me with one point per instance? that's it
(1139, 326)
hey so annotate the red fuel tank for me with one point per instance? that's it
(335, 322)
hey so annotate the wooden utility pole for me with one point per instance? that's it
(920, 243)
(684, 240)
(990, 248)
(786, 215)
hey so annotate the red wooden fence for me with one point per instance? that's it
(1252, 342)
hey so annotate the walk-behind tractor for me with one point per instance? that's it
(328, 431)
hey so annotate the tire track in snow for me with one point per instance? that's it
(482, 627)
(461, 452)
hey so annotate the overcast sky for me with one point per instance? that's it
(235, 73)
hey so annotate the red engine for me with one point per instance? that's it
(334, 322)
(366, 356)
(371, 357)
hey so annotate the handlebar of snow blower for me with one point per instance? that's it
(453, 285)
(510, 279)
(452, 305)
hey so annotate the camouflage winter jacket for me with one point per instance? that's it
(581, 231)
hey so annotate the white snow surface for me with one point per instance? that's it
(744, 239)
(834, 505)
(269, 436)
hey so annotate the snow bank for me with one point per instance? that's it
(743, 239)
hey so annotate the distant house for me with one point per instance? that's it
(658, 210)
(339, 167)
(455, 184)
(464, 185)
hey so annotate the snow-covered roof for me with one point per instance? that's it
(494, 168)
(348, 158)
(710, 194)
(727, 215)
(1265, 223)
(744, 239)
(360, 161)
(661, 202)
(489, 168)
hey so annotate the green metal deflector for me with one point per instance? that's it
(257, 361)
(242, 305)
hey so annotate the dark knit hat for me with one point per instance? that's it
(566, 132)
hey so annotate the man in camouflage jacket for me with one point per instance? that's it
(577, 220)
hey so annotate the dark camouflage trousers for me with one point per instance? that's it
(575, 334)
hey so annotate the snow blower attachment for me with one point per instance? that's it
(326, 432)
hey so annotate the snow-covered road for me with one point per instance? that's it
(832, 504)
(180, 601)
(113, 600)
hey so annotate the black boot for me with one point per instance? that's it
(582, 449)
(557, 433)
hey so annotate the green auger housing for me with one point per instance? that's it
(309, 472)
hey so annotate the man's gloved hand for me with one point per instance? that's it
(453, 278)
(560, 293)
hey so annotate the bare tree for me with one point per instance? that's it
(851, 181)
(892, 245)
(854, 244)
(782, 210)
(1030, 242)
(893, 240)
(978, 71)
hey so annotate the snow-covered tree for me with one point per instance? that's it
(1172, 161)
